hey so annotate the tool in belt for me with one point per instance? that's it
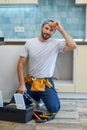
(37, 84)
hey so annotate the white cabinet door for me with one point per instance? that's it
(81, 1)
(18, 1)
(23, 1)
(81, 69)
(9, 56)
(3, 1)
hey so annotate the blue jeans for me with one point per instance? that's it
(49, 97)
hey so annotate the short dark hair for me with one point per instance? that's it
(47, 21)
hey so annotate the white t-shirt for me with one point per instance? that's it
(42, 56)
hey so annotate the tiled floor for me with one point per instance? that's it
(72, 116)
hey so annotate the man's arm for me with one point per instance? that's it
(70, 43)
(20, 71)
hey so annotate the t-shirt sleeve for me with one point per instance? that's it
(61, 45)
(24, 51)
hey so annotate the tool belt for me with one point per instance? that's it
(37, 84)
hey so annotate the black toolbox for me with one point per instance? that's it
(16, 115)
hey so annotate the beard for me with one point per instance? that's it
(45, 36)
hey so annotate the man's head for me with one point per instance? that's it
(47, 30)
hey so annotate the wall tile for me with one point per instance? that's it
(71, 16)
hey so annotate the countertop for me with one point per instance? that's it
(22, 41)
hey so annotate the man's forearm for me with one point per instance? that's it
(69, 41)
(20, 71)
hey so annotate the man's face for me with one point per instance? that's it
(47, 31)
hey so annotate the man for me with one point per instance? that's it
(42, 53)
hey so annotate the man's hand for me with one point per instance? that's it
(56, 25)
(22, 89)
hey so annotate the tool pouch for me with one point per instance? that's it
(38, 84)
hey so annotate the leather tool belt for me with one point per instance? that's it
(37, 84)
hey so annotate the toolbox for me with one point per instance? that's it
(11, 113)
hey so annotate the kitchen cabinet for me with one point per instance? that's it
(8, 70)
(3, 1)
(81, 71)
(18, 1)
(64, 75)
(81, 1)
(9, 56)
(70, 72)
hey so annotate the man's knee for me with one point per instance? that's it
(54, 109)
